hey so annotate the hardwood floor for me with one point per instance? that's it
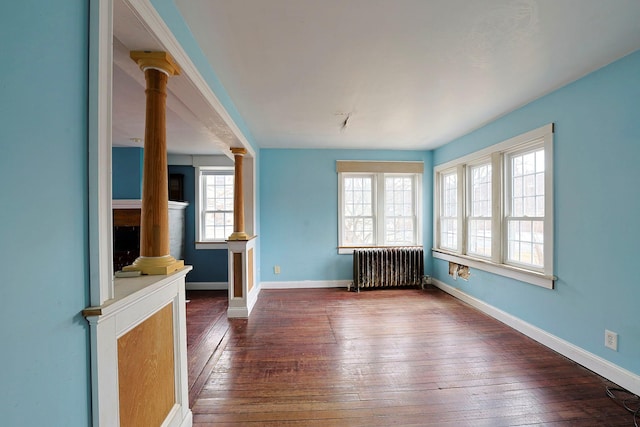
(328, 357)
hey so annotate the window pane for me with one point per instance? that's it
(526, 242)
(399, 231)
(449, 233)
(358, 231)
(357, 194)
(479, 237)
(450, 195)
(527, 184)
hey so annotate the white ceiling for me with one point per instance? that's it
(411, 74)
(408, 74)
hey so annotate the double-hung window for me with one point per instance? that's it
(214, 204)
(379, 204)
(479, 210)
(449, 210)
(525, 208)
(494, 208)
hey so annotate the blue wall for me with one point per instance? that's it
(127, 166)
(44, 380)
(208, 265)
(597, 149)
(299, 208)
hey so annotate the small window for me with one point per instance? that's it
(479, 221)
(378, 204)
(449, 211)
(214, 204)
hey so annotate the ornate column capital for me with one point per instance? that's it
(160, 61)
(238, 151)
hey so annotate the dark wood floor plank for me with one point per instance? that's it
(327, 357)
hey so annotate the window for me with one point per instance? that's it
(493, 209)
(400, 213)
(214, 204)
(525, 208)
(358, 210)
(379, 204)
(479, 215)
(449, 211)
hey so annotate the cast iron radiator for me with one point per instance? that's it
(384, 267)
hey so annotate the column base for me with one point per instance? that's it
(239, 235)
(161, 265)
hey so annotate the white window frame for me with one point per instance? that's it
(458, 171)
(200, 173)
(498, 155)
(468, 205)
(379, 171)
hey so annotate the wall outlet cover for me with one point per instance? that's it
(611, 340)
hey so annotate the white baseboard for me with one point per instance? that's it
(306, 284)
(237, 312)
(188, 420)
(206, 286)
(597, 364)
(253, 297)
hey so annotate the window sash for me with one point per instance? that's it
(400, 212)
(525, 242)
(525, 207)
(215, 205)
(449, 224)
(479, 221)
(358, 210)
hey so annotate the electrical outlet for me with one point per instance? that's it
(611, 340)
(276, 269)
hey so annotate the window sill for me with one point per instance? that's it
(527, 276)
(211, 245)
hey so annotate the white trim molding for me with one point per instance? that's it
(136, 299)
(307, 284)
(207, 286)
(242, 298)
(525, 276)
(597, 364)
(99, 149)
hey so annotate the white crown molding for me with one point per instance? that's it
(597, 364)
